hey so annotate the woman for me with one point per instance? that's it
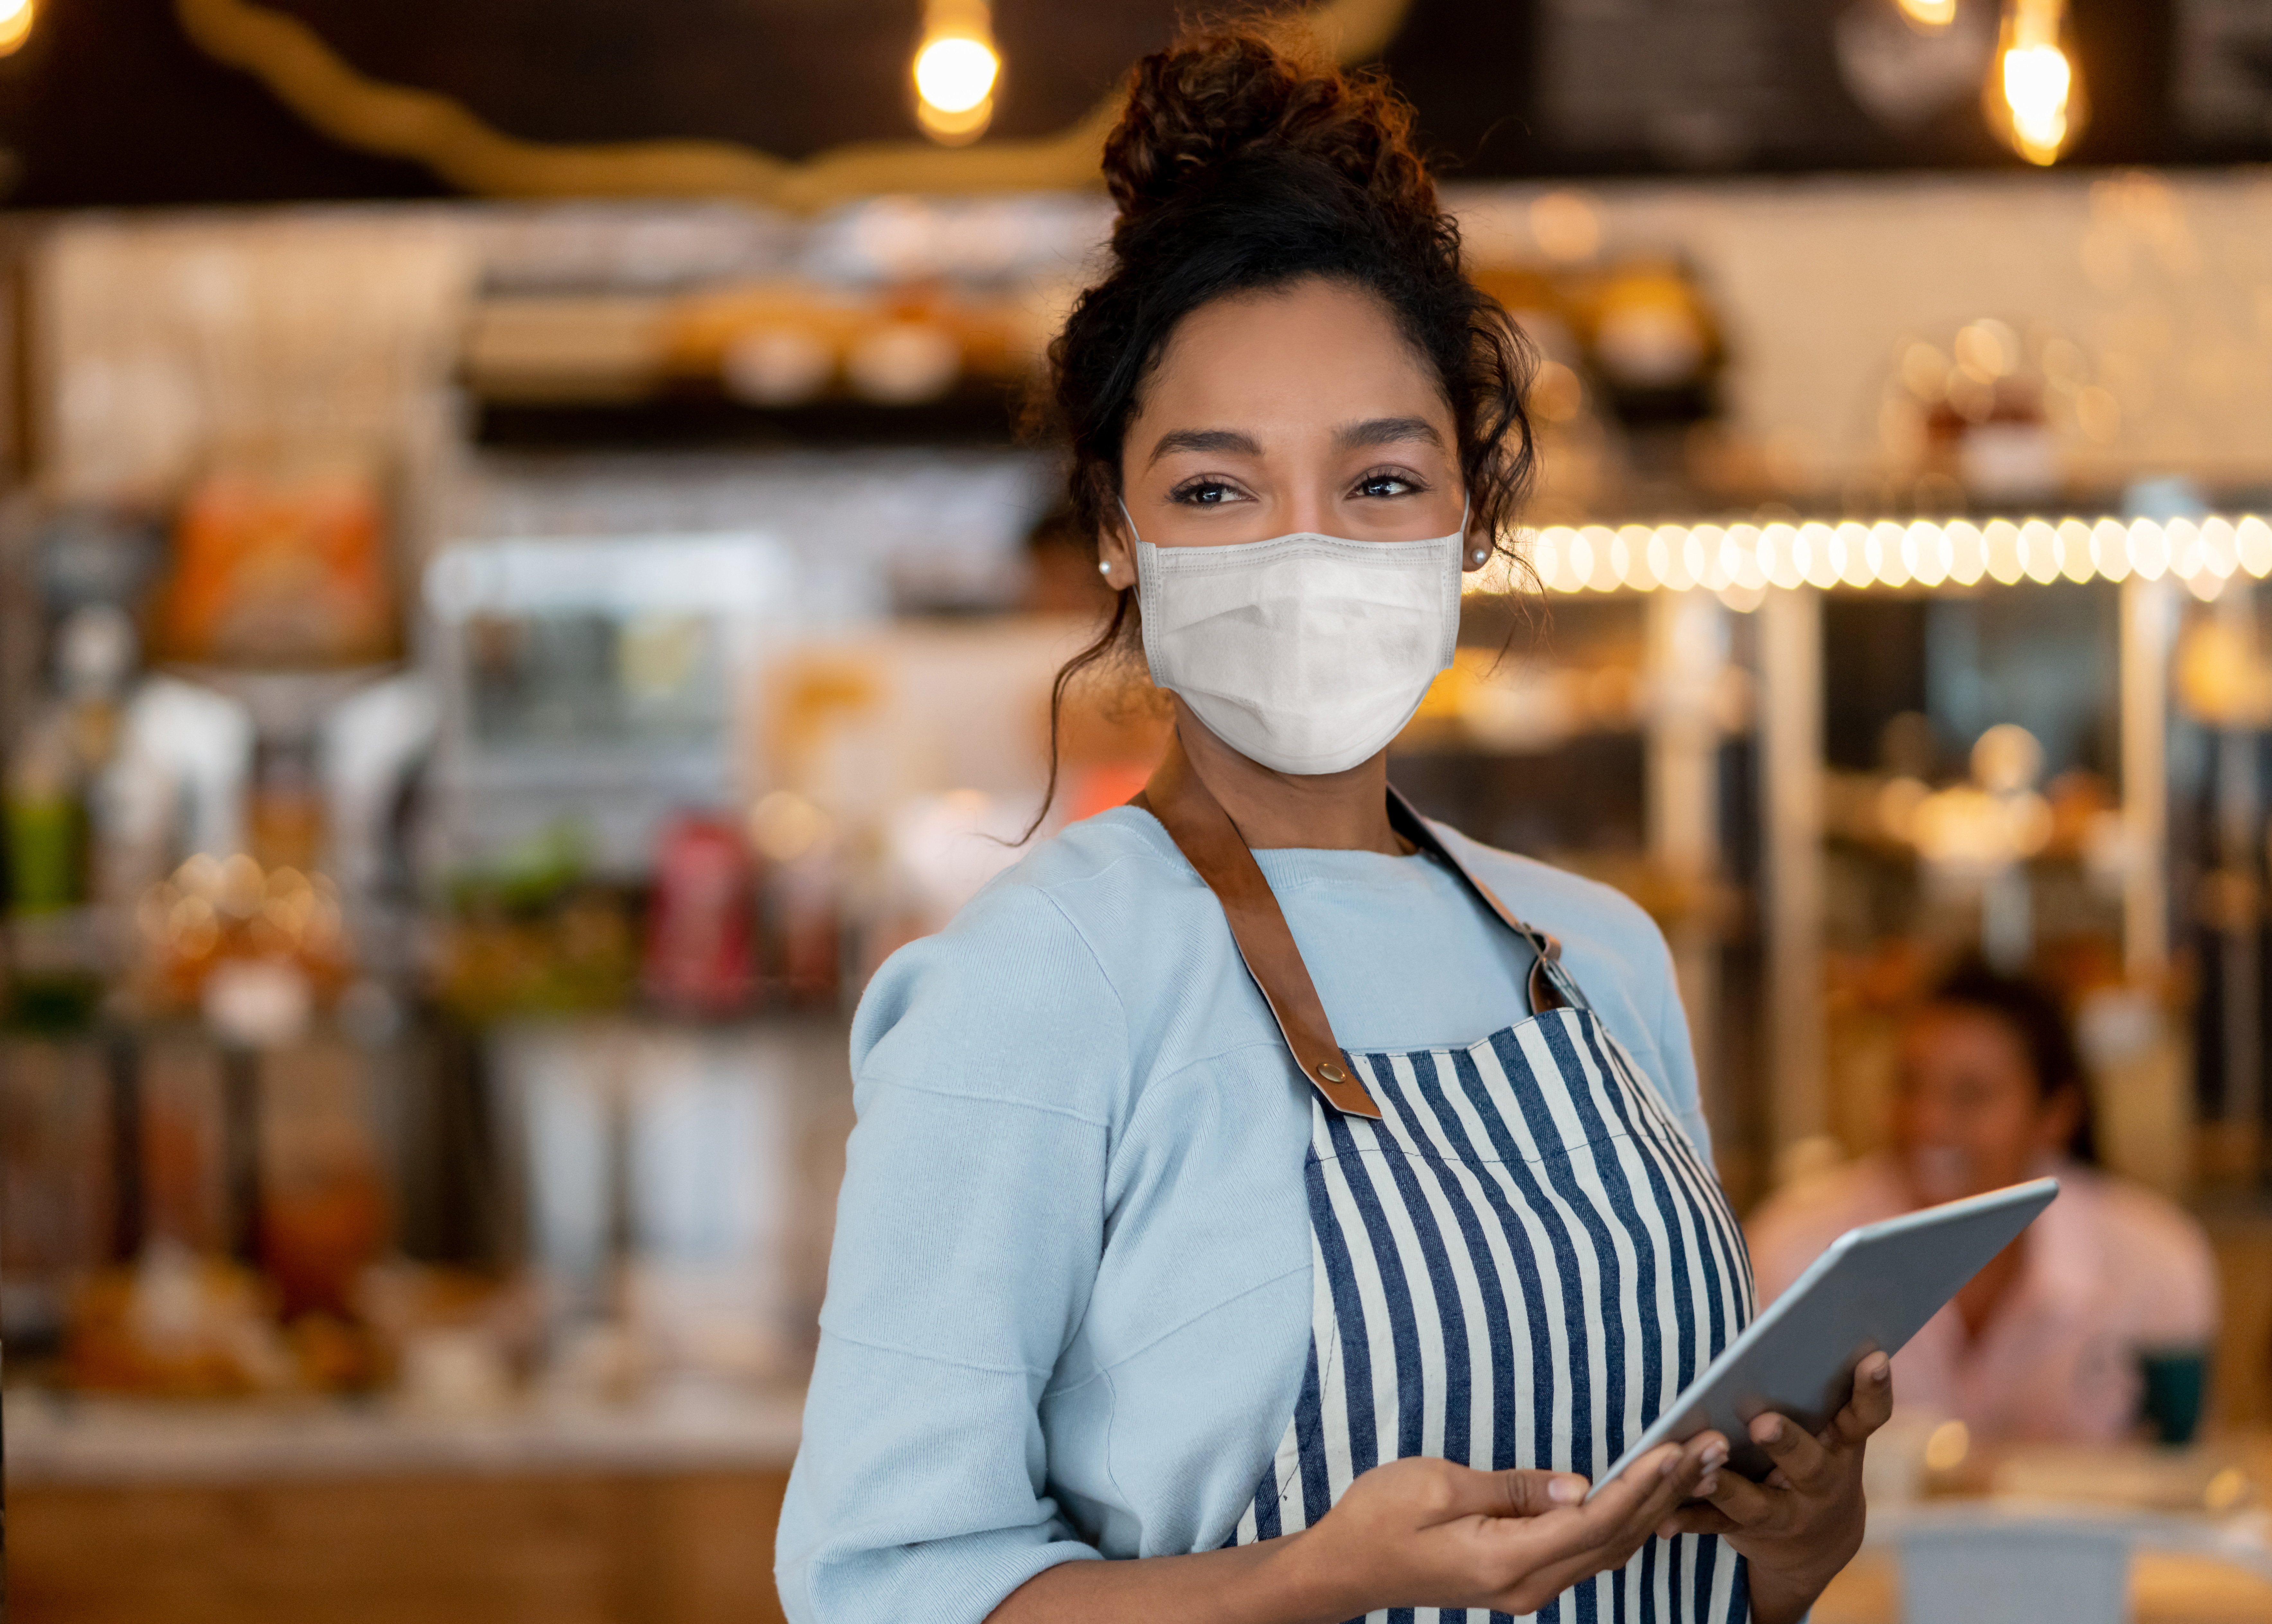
(2052, 1340)
(1241, 1194)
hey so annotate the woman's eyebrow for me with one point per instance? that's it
(1387, 432)
(1230, 440)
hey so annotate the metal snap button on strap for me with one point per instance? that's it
(1332, 1073)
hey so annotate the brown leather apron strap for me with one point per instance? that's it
(1211, 843)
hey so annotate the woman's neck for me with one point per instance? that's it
(1339, 811)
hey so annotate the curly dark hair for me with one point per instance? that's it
(1246, 160)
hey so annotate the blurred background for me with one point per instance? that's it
(520, 586)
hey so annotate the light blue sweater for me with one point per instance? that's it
(1068, 1300)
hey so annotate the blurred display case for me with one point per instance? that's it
(601, 681)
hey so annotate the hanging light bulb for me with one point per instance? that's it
(955, 68)
(2034, 96)
(1927, 16)
(16, 18)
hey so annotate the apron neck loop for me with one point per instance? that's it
(1551, 986)
(1179, 798)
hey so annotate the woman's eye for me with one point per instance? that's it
(1384, 485)
(1206, 493)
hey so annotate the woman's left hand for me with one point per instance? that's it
(1802, 1525)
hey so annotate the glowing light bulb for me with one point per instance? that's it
(2036, 80)
(16, 18)
(2253, 538)
(2035, 97)
(955, 75)
(955, 70)
(1635, 541)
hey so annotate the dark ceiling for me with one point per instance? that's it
(110, 104)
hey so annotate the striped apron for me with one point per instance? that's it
(1518, 1259)
(1519, 1264)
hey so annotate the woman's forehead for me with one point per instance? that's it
(1313, 359)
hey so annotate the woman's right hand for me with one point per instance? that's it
(1425, 1533)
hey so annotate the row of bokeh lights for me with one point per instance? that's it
(1742, 560)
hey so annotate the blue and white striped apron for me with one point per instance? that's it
(1519, 1265)
(1519, 1258)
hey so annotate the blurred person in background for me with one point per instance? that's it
(2099, 1315)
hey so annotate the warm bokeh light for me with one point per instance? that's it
(1928, 13)
(954, 129)
(954, 75)
(16, 18)
(1566, 227)
(1741, 560)
(955, 71)
(1946, 1449)
(2036, 79)
(2041, 103)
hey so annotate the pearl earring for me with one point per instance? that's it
(1103, 568)
(1478, 555)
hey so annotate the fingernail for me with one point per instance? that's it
(1772, 1432)
(1566, 1491)
(1670, 1463)
(1709, 1486)
(1716, 1456)
(1883, 1371)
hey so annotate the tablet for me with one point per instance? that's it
(1872, 1289)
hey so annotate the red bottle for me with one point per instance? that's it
(700, 938)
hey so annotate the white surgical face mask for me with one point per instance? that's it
(1305, 653)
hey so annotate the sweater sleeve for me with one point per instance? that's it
(967, 1238)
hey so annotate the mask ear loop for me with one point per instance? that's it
(1135, 551)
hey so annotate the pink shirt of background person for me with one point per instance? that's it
(2045, 1343)
(2110, 1271)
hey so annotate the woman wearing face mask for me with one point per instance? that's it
(2054, 1340)
(1285, 1199)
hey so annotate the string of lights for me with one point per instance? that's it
(1741, 561)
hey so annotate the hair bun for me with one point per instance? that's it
(1213, 102)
